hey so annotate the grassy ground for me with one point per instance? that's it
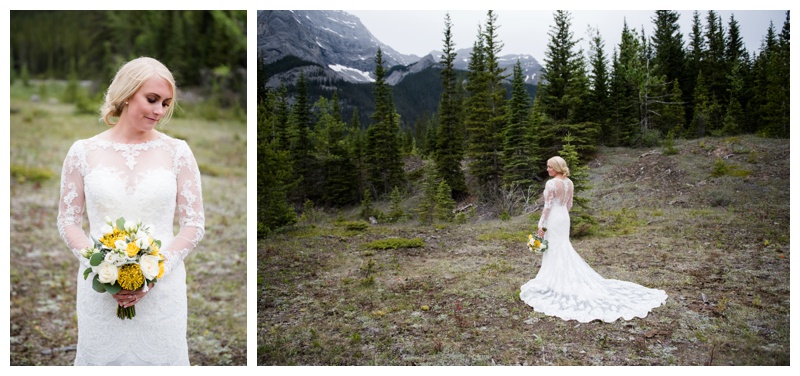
(43, 272)
(718, 245)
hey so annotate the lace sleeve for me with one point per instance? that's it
(190, 208)
(570, 189)
(549, 195)
(72, 202)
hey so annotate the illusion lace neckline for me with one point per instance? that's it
(159, 138)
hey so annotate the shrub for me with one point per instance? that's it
(354, 225)
(30, 174)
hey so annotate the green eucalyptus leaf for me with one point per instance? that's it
(96, 259)
(86, 273)
(121, 223)
(113, 289)
(97, 285)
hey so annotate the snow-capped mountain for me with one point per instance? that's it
(343, 48)
(334, 39)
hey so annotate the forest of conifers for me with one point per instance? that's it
(646, 91)
(201, 48)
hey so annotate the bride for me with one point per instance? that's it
(566, 286)
(133, 171)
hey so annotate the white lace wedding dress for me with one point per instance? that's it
(145, 181)
(566, 286)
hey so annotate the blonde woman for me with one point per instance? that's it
(566, 286)
(132, 170)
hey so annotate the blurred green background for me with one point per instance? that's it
(62, 62)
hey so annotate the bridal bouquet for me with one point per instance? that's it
(537, 244)
(125, 257)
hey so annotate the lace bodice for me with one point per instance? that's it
(145, 181)
(152, 182)
(557, 192)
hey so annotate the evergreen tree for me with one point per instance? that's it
(714, 69)
(486, 109)
(564, 91)
(600, 100)
(396, 212)
(444, 206)
(339, 177)
(426, 209)
(627, 79)
(519, 164)
(274, 174)
(694, 57)
(383, 154)
(302, 150)
(449, 140)
(667, 41)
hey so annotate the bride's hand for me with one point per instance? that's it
(541, 233)
(127, 298)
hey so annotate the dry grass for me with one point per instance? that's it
(719, 246)
(43, 272)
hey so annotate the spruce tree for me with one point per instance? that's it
(427, 205)
(383, 155)
(564, 91)
(444, 202)
(449, 140)
(600, 100)
(519, 164)
(396, 212)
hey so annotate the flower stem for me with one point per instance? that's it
(126, 312)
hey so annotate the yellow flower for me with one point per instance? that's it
(530, 236)
(130, 277)
(160, 270)
(154, 248)
(132, 249)
(109, 239)
(537, 244)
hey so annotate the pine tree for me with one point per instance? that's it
(396, 212)
(427, 205)
(669, 57)
(444, 202)
(274, 173)
(486, 109)
(340, 180)
(694, 57)
(600, 100)
(519, 164)
(714, 69)
(564, 91)
(301, 147)
(383, 154)
(449, 140)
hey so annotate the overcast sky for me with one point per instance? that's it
(419, 32)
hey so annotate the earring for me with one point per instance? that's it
(126, 103)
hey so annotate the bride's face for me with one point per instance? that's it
(551, 171)
(148, 105)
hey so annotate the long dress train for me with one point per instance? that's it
(566, 286)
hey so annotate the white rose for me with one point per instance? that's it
(121, 246)
(106, 229)
(107, 272)
(130, 226)
(149, 266)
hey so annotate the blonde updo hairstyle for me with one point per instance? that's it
(559, 165)
(127, 82)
